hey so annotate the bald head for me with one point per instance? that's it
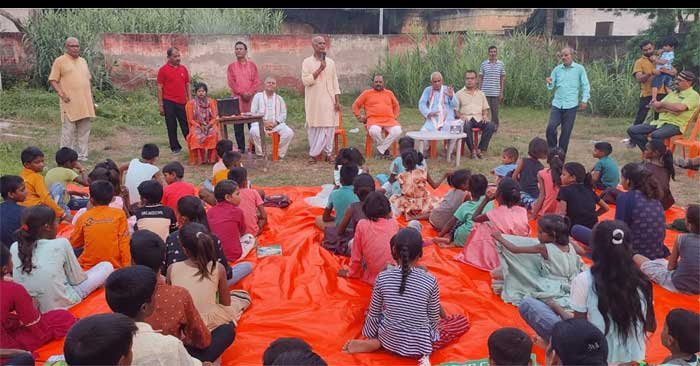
(72, 47)
(319, 45)
(270, 85)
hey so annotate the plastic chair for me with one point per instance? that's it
(275, 145)
(691, 142)
(339, 132)
(368, 144)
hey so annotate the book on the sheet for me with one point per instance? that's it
(266, 251)
(482, 362)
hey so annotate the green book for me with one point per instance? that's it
(481, 362)
(274, 249)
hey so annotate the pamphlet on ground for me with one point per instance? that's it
(266, 251)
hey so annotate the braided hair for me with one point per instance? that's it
(641, 179)
(556, 159)
(406, 246)
(34, 219)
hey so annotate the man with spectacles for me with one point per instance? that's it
(674, 110)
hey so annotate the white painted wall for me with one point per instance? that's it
(582, 21)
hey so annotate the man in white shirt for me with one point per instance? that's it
(129, 291)
(274, 109)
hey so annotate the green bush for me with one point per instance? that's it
(528, 60)
(47, 30)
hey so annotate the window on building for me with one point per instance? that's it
(603, 29)
(558, 29)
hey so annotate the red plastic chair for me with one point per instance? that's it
(691, 142)
(339, 133)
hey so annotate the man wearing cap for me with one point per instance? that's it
(577, 342)
(674, 110)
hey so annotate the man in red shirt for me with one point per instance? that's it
(243, 80)
(173, 93)
(381, 112)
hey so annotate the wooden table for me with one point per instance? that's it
(240, 119)
(439, 136)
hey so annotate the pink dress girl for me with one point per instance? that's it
(480, 247)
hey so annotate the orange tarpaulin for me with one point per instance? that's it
(298, 294)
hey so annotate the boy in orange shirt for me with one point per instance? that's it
(37, 192)
(102, 231)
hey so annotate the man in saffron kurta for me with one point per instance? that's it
(243, 80)
(381, 112)
(321, 100)
(70, 77)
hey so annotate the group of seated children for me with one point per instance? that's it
(549, 287)
(190, 247)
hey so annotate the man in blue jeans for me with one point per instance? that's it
(571, 92)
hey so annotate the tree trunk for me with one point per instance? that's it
(15, 21)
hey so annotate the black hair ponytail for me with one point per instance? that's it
(199, 245)
(556, 159)
(33, 221)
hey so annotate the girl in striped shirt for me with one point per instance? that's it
(394, 320)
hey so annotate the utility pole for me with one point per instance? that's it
(381, 21)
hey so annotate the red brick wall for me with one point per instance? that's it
(15, 59)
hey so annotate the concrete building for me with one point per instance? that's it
(20, 13)
(598, 22)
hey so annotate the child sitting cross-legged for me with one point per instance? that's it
(251, 203)
(460, 225)
(226, 221)
(681, 336)
(177, 188)
(681, 272)
(548, 183)
(527, 169)
(13, 192)
(398, 294)
(508, 218)
(205, 279)
(370, 251)
(37, 192)
(576, 197)
(338, 240)
(191, 209)
(68, 171)
(153, 215)
(605, 174)
(140, 170)
(174, 312)
(339, 199)
(101, 233)
(102, 339)
(130, 291)
(46, 266)
(440, 215)
(23, 326)
(559, 263)
(231, 159)
(414, 200)
(509, 160)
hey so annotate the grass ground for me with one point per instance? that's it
(126, 121)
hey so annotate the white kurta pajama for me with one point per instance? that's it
(274, 109)
(319, 104)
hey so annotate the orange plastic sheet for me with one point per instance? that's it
(298, 294)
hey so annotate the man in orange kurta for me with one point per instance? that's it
(381, 112)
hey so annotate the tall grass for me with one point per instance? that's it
(47, 30)
(528, 61)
